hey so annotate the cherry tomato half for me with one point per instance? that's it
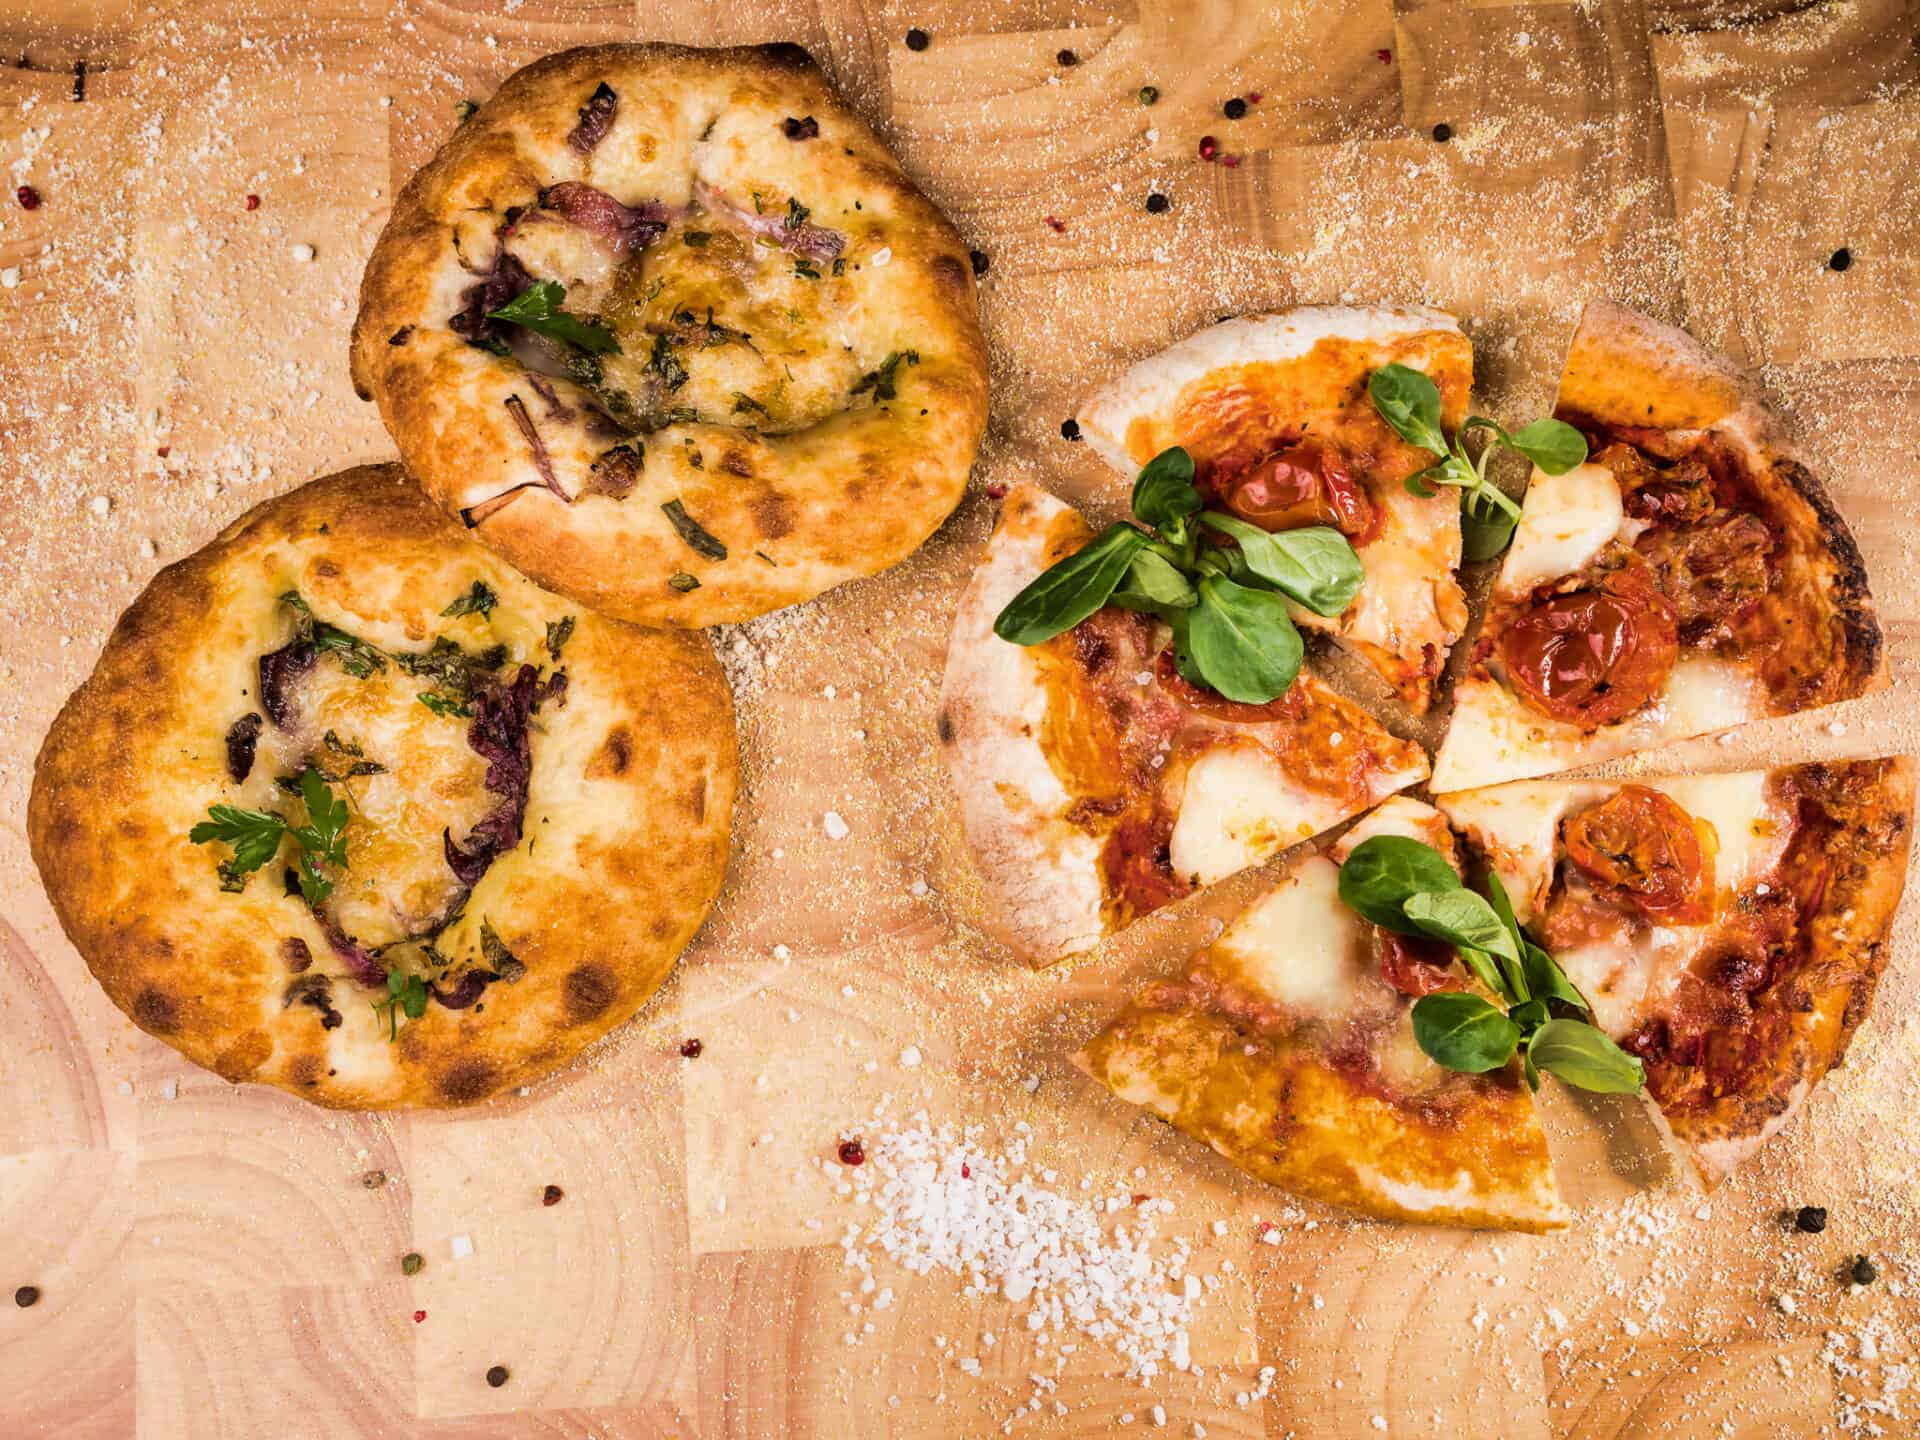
(1639, 846)
(1593, 656)
(1304, 484)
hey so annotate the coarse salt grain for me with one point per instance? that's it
(835, 827)
(10, 277)
(910, 1056)
(303, 251)
(882, 256)
(462, 1246)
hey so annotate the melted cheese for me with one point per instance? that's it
(1299, 946)
(1566, 521)
(1238, 808)
(1398, 816)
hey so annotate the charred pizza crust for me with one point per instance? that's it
(1256, 386)
(1095, 786)
(799, 369)
(1283, 1048)
(1737, 1019)
(1804, 635)
(627, 780)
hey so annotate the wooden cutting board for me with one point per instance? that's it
(210, 1261)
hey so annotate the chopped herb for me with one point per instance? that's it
(558, 633)
(450, 668)
(666, 364)
(683, 582)
(697, 536)
(743, 402)
(804, 271)
(405, 994)
(502, 961)
(796, 214)
(881, 381)
(342, 747)
(541, 309)
(839, 265)
(255, 837)
(447, 707)
(480, 600)
(697, 239)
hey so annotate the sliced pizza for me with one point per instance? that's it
(1728, 930)
(1096, 784)
(1274, 410)
(1691, 575)
(1288, 1046)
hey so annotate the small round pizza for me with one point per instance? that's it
(351, 808)
(1691, 575)
(671, 331)
(1275, 412)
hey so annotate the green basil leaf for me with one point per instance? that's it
(1315, 565)
(1155, 585)
(1546, 979)
(1530, 1015)
(1485, 530)
(1484, 968)
(1409, 402)
(1164, 494)
(1529, 1069)
(541, 309)
(1461, 917)
(1066, 593)
(1582, 1056)
(1382, 874)
(1555, 446)
(1183, 663)
(1243, 642)
(1464, 1032)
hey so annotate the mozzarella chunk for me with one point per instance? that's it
(1300, 946)
(1566, 521)
(1238, 809)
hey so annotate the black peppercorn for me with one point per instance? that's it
(805, 129)
(1157, 203)
(1864, 1271)
(691, 1048)
(26, 1295)
(1235, 108)
(1810, 1219)
(1443, 132)
(1069, 429)
(497, 1376)
(1067, 57)
(1840, 259)
(552, 1195)
(918, 39)
(978, 259)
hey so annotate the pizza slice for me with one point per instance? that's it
(1274, 410)
(1727, 929)
(1691, 575)
(1096, 784)
(1288, 1046)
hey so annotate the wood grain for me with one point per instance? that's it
(210, 1260)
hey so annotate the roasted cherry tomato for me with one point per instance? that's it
(1415, 964)
(1304, 484)
(1640, 847)
(1593, 656)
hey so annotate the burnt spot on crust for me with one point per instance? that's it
(466, 1081)
(697, 799)
(243, 1058)
(952, 273)
(1851, 600)
(326, 569)
(156, 1012)
(737, 462)
(589, 990)
(943, 723)
(613, 756)
(305, 1070)
(772, 515)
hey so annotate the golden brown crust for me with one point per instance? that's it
(798, 511)
(1864, 814)
(1625, 372)
(625, 842)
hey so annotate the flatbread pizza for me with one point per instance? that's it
(1275, 412)
(1288, 1046)
(1728, 930)
(1097, 784)
(350, 808)
(671, 331)
(1692, 575)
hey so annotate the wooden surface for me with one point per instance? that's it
(210, 1261)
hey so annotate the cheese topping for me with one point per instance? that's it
(1300, 946)
(1567, 520)
(1237, 810)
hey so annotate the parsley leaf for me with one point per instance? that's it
(541, 309)
(881, 381)
(255, 836)
(480, 600)
(665, 363)
(406, 995)
(447, 707)
(558, 633)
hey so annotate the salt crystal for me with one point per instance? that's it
(1788, 1305)
(10, 277)
(910, 1056)
(835, 827)
(303, 252)
(881, 256)
(100, 505)
(461, 1246)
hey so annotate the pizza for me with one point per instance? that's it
(1287, 1045)
(1274, 411)
(351, 808)
(1728, 930)
(672, 332)
(1690, 576)
(1097, 784)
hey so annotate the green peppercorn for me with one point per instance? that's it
(1149, 94)
(411, 1262)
